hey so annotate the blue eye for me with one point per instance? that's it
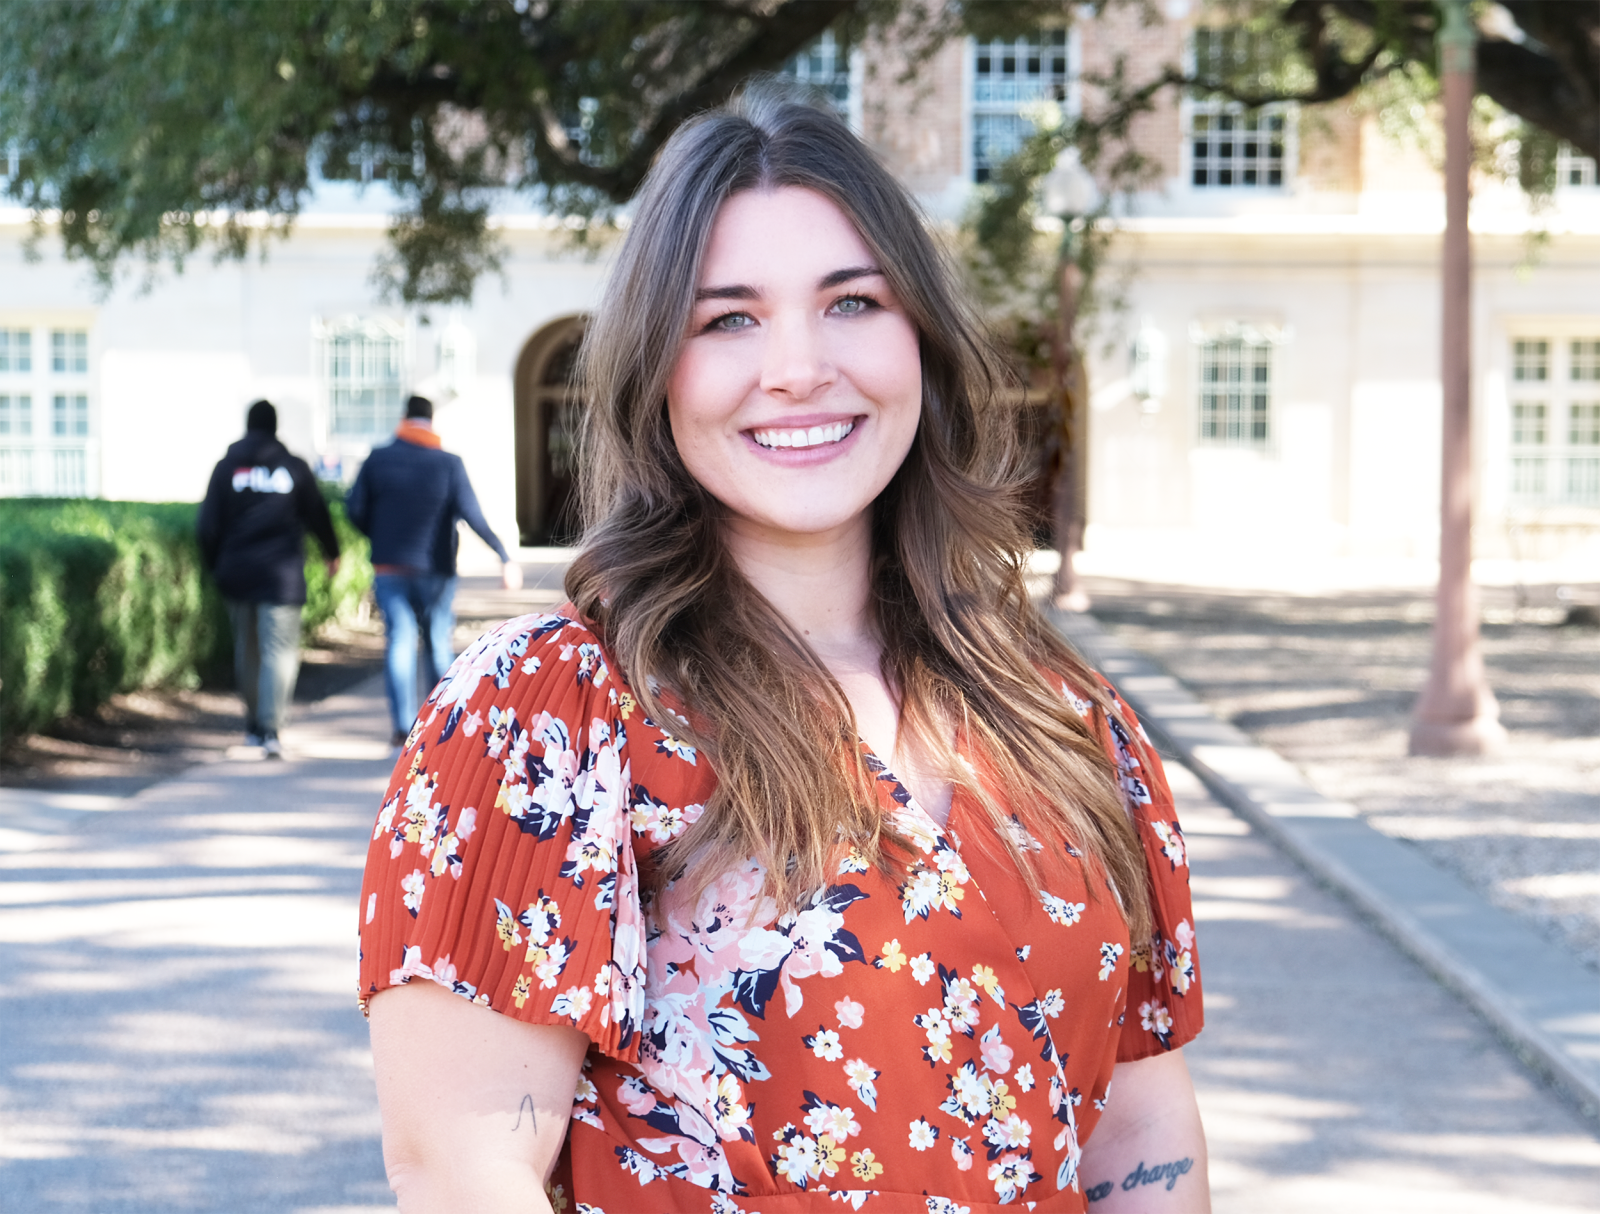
(854, 305)
(730, 322)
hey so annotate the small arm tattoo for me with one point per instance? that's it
(1169, 1172)
(533, 1117)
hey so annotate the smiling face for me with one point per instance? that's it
(798, 388)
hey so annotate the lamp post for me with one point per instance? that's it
(1456, 713)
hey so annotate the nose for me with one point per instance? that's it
(794, 360)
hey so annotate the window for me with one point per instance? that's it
(1573, 170)
(1011, 79)
(1555, 421)
(70, 416)
(364, 366)
(69, 352)
(16, 458)
(1229, 145)
(16, 350)
(46, 426)
(824, 66)
(1236, 388)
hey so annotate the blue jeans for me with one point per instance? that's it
(414, 604)
(266, 661)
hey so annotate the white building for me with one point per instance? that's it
(1273, 382)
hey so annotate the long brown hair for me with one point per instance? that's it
(962, 642)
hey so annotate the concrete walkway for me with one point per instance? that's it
(177, 985)
(180, 1032)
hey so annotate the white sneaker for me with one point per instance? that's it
(273, 747)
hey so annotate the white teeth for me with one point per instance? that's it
(816, 436)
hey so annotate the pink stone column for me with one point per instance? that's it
(1456, 713)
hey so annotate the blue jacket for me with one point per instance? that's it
(407, 499)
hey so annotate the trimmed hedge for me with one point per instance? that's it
(101, 597)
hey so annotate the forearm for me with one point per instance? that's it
(1148, 1153)
(480, 1128)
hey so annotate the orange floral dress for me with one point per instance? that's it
(935, 1039)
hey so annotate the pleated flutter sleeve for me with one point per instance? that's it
(500, 865)
(1164, 1008)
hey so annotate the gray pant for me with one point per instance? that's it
(266, 661)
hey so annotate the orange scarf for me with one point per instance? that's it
(423, 436)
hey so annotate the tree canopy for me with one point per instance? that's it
(144, 128)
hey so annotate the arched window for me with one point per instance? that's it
(548, 415)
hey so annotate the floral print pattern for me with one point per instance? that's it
(922, 1038)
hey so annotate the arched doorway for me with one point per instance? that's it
(547, 418)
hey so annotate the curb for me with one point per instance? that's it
(1544, 1005)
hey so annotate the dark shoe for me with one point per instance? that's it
(251, 738)
(399, 738)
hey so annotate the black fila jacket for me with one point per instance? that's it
(259, 505)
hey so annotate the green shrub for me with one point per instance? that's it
(101, 597)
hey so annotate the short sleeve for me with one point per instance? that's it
(1165, 1009)
(500, 864)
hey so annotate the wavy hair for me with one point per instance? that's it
(964, 647)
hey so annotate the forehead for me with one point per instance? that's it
(759, 234)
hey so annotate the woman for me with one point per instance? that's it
(795, 862)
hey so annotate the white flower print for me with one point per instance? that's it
(1060, 910)
(825, 1045)
(1053, 1003)
(922, 969)
(415, 886)
(1010, 1175)
(861, 1079)
(837, 1123)
(923, 1135)
(1110, 954)
(849, 1013)
(1171, 841)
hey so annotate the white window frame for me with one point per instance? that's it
(1260, 343)
(43, 462)
(1556, 473)
(848, 75)
(1575, 171)
(975, 107)
(325, 335)
(1191, 108)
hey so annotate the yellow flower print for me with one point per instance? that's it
(983, 977)
(505, 926)
(864, 1167)
(626, 705)
(521, 990)
(892, 958)
(829, 1156)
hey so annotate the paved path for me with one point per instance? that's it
(175, 986)
(1329, 680)
(1335, 1077)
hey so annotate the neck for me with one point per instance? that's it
(820, 584)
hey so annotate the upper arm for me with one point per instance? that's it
(1148, 1152)
(474, 1103)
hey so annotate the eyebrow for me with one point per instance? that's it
(741, 291)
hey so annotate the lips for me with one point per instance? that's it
(778, 438)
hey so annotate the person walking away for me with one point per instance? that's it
(252, 526)
(407, 499)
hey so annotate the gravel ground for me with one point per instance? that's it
(1329, 682)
